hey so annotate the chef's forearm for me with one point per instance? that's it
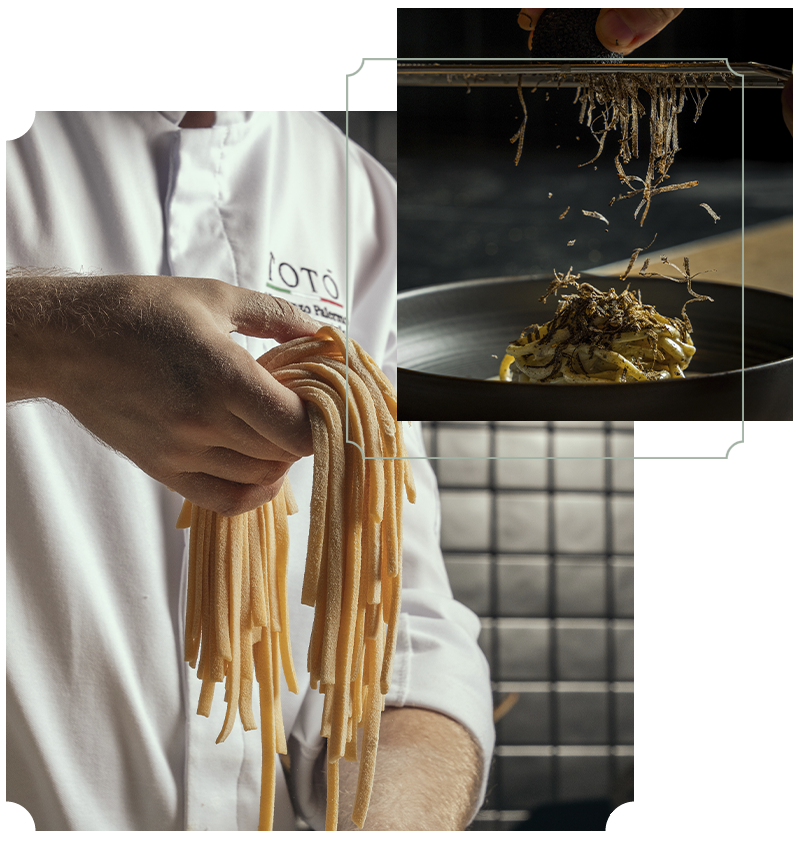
(427, 776)
(35, 334)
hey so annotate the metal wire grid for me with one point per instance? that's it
(541, 549)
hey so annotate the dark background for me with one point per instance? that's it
(467, 211)
(375, 131)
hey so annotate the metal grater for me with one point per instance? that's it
(569, 74)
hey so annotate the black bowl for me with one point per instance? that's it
(452, 337)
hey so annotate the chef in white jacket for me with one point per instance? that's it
(145, 248)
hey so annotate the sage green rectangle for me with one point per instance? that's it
(371, 84)
(688, 439)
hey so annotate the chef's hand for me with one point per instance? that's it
(619, 30)
(148, 366)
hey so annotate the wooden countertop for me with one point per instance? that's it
(768, 257)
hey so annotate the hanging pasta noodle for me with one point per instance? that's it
(236, 616)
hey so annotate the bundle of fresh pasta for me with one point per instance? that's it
(597, 337)
(236, 617)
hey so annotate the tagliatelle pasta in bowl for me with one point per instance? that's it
(452, 337)
(600, 337)
(603, 337)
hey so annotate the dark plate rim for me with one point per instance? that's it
(480, 281)
(655, 384)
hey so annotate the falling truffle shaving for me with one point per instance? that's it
(611, 101)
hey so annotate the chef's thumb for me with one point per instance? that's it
(268, 317)
(623, 30)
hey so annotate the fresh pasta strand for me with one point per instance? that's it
(237, 621)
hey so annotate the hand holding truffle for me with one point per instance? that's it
(618, 30)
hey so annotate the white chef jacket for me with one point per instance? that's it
(102, 730)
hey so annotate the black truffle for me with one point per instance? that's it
(569, 33)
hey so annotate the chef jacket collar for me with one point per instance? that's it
(223, 118)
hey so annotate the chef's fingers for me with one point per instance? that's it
(226, 497)
(623, 30)
(271, 409)
(266, 316)
(267, 407)
(527, 19)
